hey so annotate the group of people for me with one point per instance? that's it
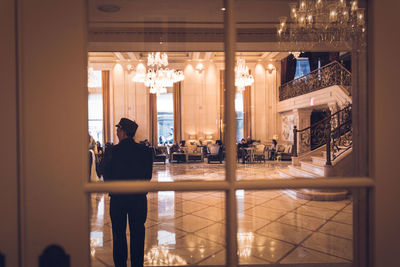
(241, 148)
(243, 153)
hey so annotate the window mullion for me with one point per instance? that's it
(230, 137)
(274, 184)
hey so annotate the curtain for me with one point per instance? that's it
(105, 78)
(288, 69)
(247, 112)
(283, 70)
(153, 131)
(312, 59)
(177, 112)
(221, 105)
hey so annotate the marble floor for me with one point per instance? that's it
(188, 228)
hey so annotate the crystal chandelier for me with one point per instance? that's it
(242, 75)
(158, 77)
(319, 21)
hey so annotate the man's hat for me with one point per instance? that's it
(128, 126)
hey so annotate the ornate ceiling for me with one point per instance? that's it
(178, 25)
(181, 57)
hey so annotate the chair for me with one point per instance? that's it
(195, 152)
(259, 152)
(214, 153)
(180, 156)
(285, 152)
(158, 155)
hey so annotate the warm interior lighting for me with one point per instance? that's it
(129, 67)
(242, 75)
(199, 67)
(317, 21)
(270, 67)
(158, 76)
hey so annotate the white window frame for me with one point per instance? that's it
(230, 185)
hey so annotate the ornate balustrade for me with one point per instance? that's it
(332, 74)
(335, 131)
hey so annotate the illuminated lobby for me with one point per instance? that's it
(272, 125)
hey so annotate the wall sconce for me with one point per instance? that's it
(199, 67)
(129, 67)
(270, 67)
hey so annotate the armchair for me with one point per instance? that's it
(158, 155)
(214, 153)
(284, 152)
(259, 152)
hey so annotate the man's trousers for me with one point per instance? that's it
(133, 207)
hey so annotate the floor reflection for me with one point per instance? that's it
(188, 228)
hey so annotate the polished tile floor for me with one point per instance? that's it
(188, 228)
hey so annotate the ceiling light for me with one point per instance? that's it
(199, 67)
(270, 67)
(242, 75)
(109, 8)
(158, 76)
(319, 21)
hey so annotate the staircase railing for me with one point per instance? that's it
(333, 73)
(335, 132)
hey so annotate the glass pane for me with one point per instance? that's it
(239, 116)
(165, 119)
(95, 113)
(302, 67)
(287, 227)
(181, 229)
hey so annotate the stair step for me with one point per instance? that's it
(313, 168)
(312, 194)
(320, 161)
(297, 171)
(284, 173)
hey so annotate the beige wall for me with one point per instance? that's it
(130, 100)
(264, 101)
(200, 100)
(9, 136)
(384, 71)
(53, 134)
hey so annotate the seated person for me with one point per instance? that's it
(174, 148)
(274, 149)
(242, 153)
(182, 143)
(249, 141)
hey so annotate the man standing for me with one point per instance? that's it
(128, 160)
